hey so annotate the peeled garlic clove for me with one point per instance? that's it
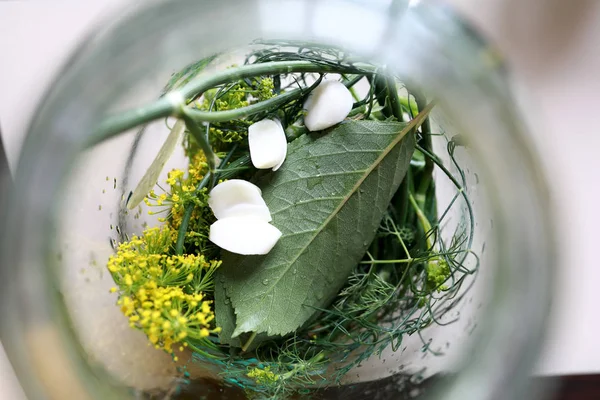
(268, 145)
(244, 235)
(232, 193)
(247, 210)
(328, 104)
(275, 168)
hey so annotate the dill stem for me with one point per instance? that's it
(404, 247)
(458, 186)
(185, 221)
(403, 261)
(202, 140)
(300, 367)
(249, 341)
(379, 91)
(242, 112)
(423, 219)
(395, 105)
(169, 105)
(189, 208)
(411, 108)
(427, 174)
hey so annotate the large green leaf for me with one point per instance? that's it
(328, 200)
(226, 315)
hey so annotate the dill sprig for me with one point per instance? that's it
(407, 281)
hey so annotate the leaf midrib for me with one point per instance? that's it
(414, 123)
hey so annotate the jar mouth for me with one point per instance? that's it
(460, 77)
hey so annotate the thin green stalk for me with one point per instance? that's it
(185, 221)
(411, 108)
(380, 87)
(459, 187)
(399, 261)
(171, 104)
(349, 83)
(427, 173)
(249, 342)
(302, 366)
(423, 220)
(242, 112)
(189, 208)
(394, 100)
(201, 139)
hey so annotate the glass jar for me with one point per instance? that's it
(60, 325)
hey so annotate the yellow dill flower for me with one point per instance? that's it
(263, 376)
(265, 89)
(160, 293)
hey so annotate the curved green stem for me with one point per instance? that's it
(395, 105)
(242, 112)
(427, 174)
(460, 189)
(201, 139)
(423, 220)
(171, 104)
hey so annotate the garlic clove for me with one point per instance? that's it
(232, 193)
(328, 104)
(268, 145)
(275, 168)
(247, 210)
(244, 235)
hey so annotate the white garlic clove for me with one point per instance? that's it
(328, 104)
(275, 168)
(232, 193)
(268, 145)
(245, 235)
(247, 210)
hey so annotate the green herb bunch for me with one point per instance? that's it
(361, 264)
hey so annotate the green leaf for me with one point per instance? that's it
(226, 315)
(151, 176)
(328, 200)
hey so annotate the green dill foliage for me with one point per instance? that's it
(230, 97)
(391, 276)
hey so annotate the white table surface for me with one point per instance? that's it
(554, 55)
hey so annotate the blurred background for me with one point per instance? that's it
(553, 55)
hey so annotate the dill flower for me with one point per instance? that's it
(172, 202)
(265, 89)
(263, 376)
(438, 272)
(164, 295)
